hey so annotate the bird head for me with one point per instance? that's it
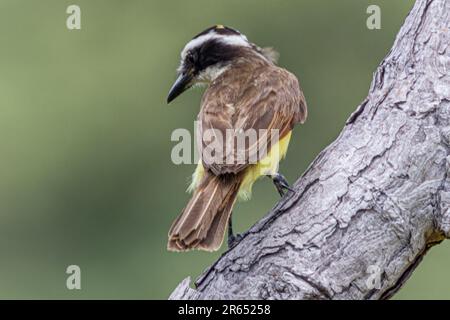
(209, 54)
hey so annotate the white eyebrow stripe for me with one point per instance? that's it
(238, 40)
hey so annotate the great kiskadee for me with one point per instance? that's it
(245, 90)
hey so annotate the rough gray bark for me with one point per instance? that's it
(373, 202)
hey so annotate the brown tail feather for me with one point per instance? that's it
(202, 223)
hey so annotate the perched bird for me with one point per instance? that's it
(246, 90)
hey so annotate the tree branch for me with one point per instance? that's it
(373, 202)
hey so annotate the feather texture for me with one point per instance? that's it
(203, 222)
(252, 93)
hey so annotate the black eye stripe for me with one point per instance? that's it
(210, 53)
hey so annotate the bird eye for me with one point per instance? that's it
(190, 58)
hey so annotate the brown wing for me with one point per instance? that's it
(234, 112)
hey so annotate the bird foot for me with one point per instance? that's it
(234, 239)
(281, 184)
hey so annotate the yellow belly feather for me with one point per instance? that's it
(267, 166)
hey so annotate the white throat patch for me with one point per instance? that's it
(211, 73)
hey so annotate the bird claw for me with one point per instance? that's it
(281, 184)
(234, 239)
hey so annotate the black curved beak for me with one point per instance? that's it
(182, 83)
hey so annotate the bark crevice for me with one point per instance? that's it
(373, 202)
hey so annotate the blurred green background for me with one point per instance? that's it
(86, 176)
